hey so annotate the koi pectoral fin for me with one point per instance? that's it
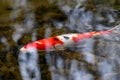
(59, 47)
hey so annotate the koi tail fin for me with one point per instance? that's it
(115, 28)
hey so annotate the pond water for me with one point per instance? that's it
(93, 59)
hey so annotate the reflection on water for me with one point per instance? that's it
(100, 56)
(28, 63)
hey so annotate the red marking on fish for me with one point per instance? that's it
(89, 35)
(44, 44)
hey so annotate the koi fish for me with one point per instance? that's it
(61, 42)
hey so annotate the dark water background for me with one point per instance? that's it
(24, 21)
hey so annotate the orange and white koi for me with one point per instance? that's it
(61, 42)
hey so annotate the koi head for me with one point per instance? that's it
(31, 46)
(42, 45)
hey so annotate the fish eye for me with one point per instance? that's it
(66, 37)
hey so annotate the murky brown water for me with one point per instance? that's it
(23, 21)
